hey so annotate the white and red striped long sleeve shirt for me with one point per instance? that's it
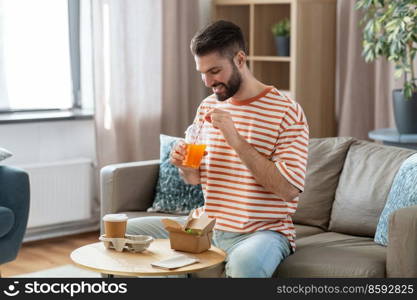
(276, 127)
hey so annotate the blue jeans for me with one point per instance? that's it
(249, 255)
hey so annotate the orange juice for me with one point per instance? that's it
(194, 155)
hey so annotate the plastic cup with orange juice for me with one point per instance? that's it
(195, 146)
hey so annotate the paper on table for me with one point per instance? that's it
(175, 262)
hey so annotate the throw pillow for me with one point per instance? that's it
(403, 193)
(172, 194)
(4, 154)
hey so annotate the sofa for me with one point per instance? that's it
(346, 187)
(14, 211)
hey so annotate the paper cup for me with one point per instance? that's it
(115, 225)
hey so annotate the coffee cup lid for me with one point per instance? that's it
(115, 217)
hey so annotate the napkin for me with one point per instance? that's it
(175, 262)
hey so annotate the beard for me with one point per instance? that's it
(231, 87)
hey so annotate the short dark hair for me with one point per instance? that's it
(222, 36)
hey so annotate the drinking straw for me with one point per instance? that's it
(198, 131)
(200, 127)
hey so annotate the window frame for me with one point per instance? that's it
(75, 63)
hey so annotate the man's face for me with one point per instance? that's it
(220, 74)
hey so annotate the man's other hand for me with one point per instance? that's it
(222, 120)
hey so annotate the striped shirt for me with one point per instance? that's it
(276, 127)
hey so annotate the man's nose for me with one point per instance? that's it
(208, 81)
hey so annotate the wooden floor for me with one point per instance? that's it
(46, 254)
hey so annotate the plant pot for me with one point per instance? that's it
(282, 44)
(405, 112)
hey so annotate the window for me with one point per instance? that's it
(39, 54)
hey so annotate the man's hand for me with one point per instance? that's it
(223, 121)
(178, 153)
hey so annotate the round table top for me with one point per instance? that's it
(95, 257)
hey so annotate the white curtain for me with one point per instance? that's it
(182, 86)
(145, 81)
(127, 43)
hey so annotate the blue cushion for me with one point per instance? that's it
(6, 220)
(172, 194)
(403, 193)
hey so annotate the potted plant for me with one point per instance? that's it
(281, 32)
(391, 31)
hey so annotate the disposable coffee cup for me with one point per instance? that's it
(115, 225)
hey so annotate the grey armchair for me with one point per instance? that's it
(14, 211)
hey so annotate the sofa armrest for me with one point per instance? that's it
(128, 186)
(402, 245)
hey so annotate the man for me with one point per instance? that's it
(256, 158)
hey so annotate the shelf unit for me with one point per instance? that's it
(308, 74)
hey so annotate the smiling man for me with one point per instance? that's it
(257, 139)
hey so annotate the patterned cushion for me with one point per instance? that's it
(172, 194)
(403, 193)
(4, 154)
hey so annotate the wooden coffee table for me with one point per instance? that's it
(95, 257)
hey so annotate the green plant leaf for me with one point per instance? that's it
(398, 73)
(390, 30)
(408, 91)
(282, 28)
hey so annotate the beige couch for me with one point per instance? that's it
(347, 184)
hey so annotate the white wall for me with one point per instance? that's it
(47, 142)
(42, 142)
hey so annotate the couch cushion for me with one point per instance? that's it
(334, 255)
(173, 195)
(325, 161)
(403, 193)
(6, 220)
(304, 230)
(363, 187)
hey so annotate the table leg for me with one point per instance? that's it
(110, 276)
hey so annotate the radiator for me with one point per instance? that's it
(60, 192)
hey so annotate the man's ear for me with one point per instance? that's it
(240, 59)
